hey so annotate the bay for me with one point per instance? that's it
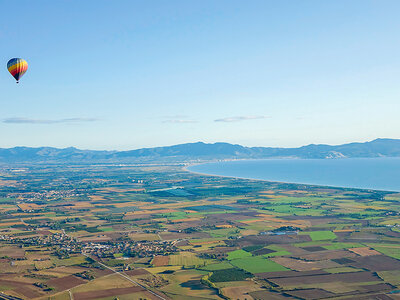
(365, 173)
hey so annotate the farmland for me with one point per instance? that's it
(66, 230)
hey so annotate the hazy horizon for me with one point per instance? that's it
(169, 145)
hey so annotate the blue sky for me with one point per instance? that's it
(131, 74)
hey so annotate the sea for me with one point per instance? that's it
(364, 173)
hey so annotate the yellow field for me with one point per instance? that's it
(175, 287)
(40, 265)
(186, 259)
(30, 206)
(102, 283)
(60, 296)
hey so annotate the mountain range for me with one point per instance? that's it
(200, 151)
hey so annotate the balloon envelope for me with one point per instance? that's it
(17, 67)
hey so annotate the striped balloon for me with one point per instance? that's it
(17, 67)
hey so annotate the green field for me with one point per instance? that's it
(219, 266)
(257, 265)
(387, 249)
(279, 251)
(238, 254)
(322, 235)
(220, 233)
(393, 277)
(229, 275)
(106, 229)
(76, 260)
(252, 248)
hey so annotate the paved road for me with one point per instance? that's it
(6, 297)
(129, 279)
(71, 297)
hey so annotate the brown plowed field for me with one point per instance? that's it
(65, 283)
(136, 272)
(300, 265)
(376, 297)
(101, 273)
(377, 287)
(160, 261)
(28, 292)
(376, 263)
(265, 295)
(322, 255)
(343, 277)
(285, 274)
(107, 293)
(262, 251)
(24, 288)
(239, 292)
(275, 239)
(310, 294)
(343, 261)
(12, 252)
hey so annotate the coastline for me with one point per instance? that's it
(187, 169)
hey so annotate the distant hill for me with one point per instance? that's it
(201, 151)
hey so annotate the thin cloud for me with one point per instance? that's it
(175, 117)
(240, 118)
(45, 121)
(179, 121)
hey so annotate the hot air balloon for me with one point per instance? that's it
(17, 67)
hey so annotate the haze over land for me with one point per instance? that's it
(376, 148)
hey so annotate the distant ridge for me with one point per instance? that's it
(200, 151)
